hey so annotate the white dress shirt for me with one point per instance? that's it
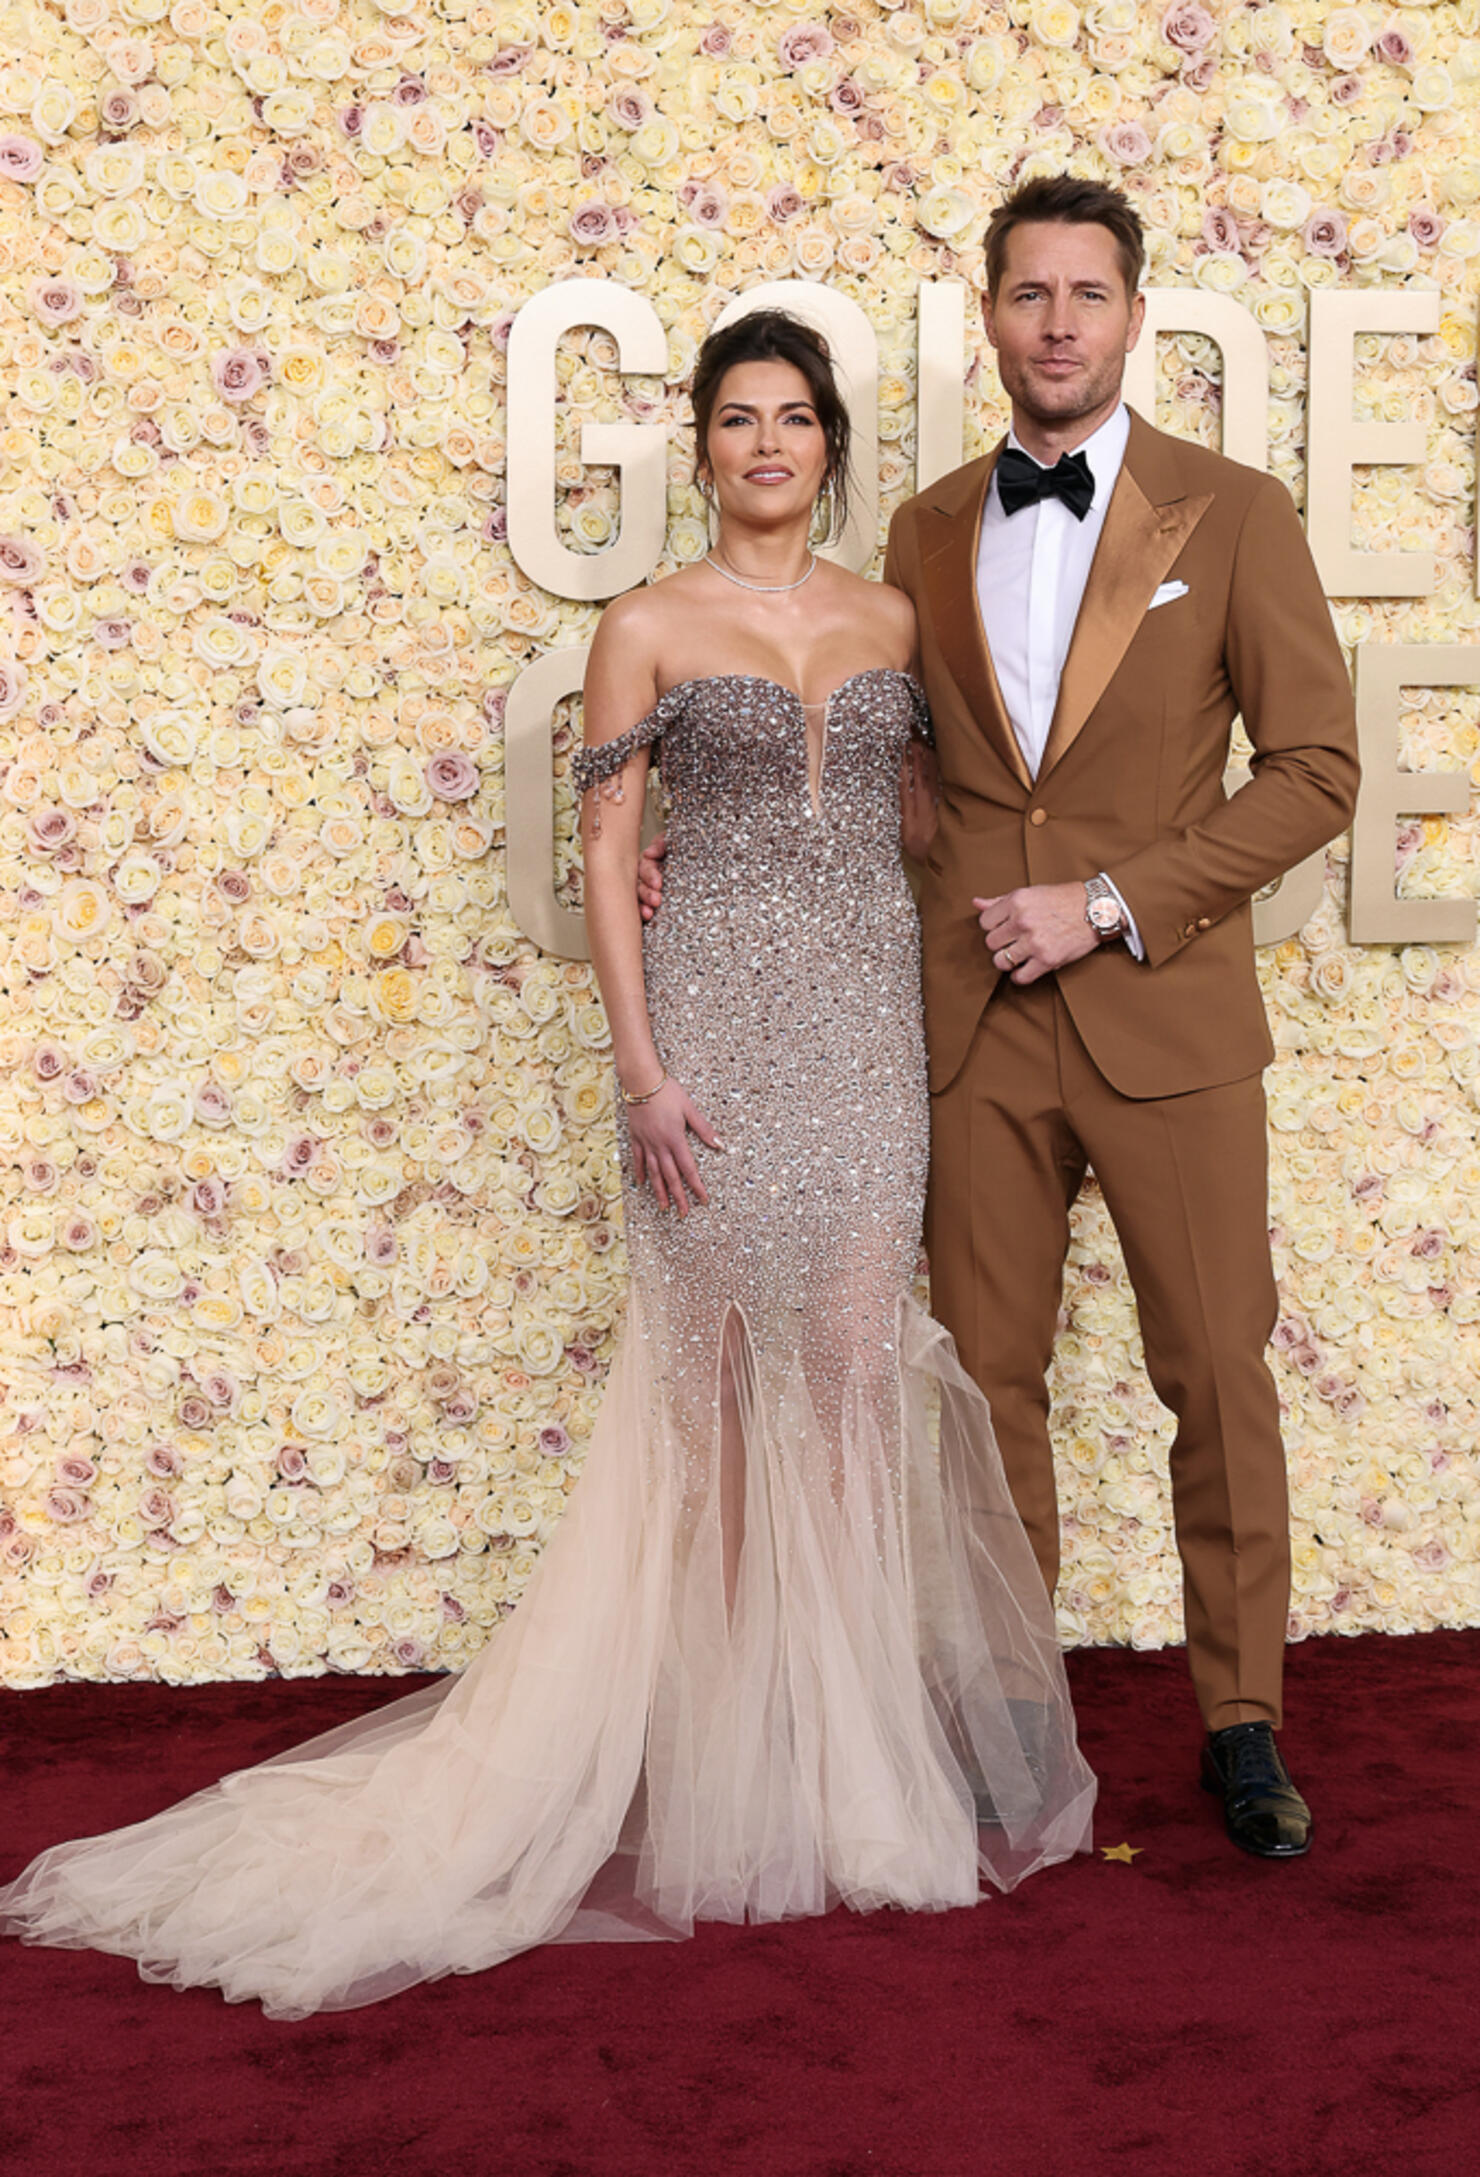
(1031, 570)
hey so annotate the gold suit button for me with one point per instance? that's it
(1039, 816)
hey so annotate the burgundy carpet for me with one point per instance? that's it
(1191, 2014)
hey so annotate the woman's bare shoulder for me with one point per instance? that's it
(886, 611)
(648, 613)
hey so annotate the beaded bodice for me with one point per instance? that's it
(782, 975)
(742, 752)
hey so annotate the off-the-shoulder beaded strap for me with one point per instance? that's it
(593, 764)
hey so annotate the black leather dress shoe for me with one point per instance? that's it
(1262, 1810)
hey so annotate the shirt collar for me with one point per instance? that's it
(1104, 450)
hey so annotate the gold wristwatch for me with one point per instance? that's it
(1102, 910)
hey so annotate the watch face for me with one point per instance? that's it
(1104, 916)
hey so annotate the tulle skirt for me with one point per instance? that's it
(839, 1683)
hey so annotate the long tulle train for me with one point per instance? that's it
(861, 1702)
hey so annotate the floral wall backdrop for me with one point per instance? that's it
(311, 1238)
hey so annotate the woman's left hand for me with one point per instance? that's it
(919, 800)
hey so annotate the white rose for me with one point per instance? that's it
(222, 194)
(1284, 204)
(282, 676)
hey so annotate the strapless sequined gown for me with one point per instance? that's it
(788, 1646)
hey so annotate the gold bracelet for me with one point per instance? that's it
(628, 1098)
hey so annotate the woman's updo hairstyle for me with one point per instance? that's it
(774, 336)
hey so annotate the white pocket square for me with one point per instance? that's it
(1166, 593)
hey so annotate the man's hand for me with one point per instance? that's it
(650, 877)
(1031, 932)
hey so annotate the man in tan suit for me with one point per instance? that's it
(1097, 602)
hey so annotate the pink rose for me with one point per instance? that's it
(21, 561)
(1325, 233)
(1188, 27)
(113, 634)
(631, 109)
(452, 775)
(56, 300)
(1395, 46)
(593, 224)
(147, 973)
(1220, 229)
(238, 374)
(65, 1507)
(710, 207)
(21, 158)
(380, 1241)
(717, 41)
(804, 42)
(784, 203)
(49, 829)
(49, 1061)
(1426, 226)
(1126, 142)
(118, 109)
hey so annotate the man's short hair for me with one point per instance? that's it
(1064, 200)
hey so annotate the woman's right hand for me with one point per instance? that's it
(650, 877)
(661, 1157)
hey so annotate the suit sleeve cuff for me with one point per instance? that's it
(1132, 934)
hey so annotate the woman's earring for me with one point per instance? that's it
(706, 493)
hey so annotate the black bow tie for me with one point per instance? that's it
(1022, 481)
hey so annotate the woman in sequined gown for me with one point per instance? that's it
(789, 1645)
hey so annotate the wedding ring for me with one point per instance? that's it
(1007, 954)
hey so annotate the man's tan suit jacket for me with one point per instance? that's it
(1132, 776)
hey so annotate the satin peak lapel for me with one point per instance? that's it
(1139, 542)
(950, 535)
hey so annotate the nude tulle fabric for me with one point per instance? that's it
(624, 1758)
(789, 1646)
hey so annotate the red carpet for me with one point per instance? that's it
(1192, 2014)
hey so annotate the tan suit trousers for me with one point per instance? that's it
(1185, 1180)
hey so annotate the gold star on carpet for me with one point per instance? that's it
(1123, 1852)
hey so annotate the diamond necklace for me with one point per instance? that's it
(771, 588)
